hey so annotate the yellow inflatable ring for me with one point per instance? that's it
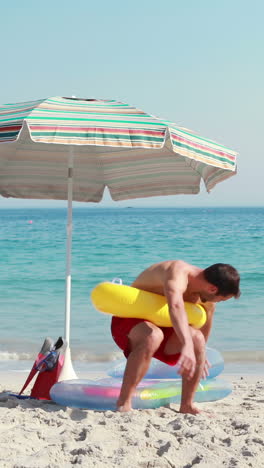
(125, 301)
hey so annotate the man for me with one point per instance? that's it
(181, 344)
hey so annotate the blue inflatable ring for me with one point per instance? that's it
(103, 394)
(160, 370)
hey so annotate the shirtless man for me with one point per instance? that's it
(181, 344)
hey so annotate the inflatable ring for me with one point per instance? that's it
(160, 370)
(126, 301)
(103, 394)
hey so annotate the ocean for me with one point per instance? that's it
(121, 242)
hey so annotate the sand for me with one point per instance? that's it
(43, 434)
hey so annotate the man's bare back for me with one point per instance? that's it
(153, 279)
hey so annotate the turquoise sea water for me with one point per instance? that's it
(116, 242)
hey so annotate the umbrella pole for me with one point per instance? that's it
(67, 371)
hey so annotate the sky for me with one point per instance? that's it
(198, 63)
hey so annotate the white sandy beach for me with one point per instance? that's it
(42, 434)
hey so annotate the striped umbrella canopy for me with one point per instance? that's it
(70, 148)
(113, 144)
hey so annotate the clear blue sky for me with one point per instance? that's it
(198, 63)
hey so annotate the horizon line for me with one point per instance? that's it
(128, 207)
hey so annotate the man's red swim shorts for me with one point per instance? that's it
(120, 329)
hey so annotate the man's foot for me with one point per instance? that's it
(189, 409)
(124, 408)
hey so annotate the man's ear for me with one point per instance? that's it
(212, 289)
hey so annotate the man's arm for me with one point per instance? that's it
(175, 284)
(206, 330)
(210, 309)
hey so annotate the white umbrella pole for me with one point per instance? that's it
(67, 372)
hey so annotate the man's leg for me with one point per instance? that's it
(144, 340)
(189, 385)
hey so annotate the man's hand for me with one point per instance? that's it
(187, 362)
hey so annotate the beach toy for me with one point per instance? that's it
(125, 301)
(103, 394)
(160, 370)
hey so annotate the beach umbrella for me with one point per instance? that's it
(72, 149)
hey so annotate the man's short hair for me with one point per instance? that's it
(225, 277)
